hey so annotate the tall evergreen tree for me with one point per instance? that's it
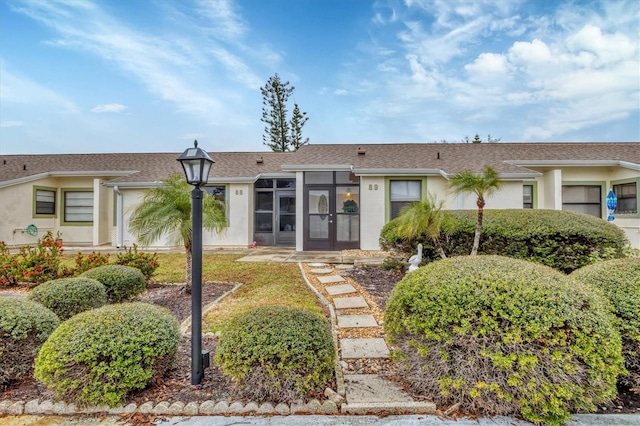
(298, 120)
(280, 134)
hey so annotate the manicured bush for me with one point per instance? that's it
(98, 356)
(146, 262)
(563, 240)
(504, 336)
(620, 281)
(123, 283)
(277, 354)
(67, 297)
(24, 327)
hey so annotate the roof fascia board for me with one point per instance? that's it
(574, 163)
(316, 167)
(396, 172)
(44, 175)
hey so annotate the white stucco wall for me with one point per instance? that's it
(372, 211)
(16, 213)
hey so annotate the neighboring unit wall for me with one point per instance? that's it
(239, 214)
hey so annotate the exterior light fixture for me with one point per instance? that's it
(196, 164)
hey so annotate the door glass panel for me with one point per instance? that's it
(319, 226)
(348, 227)
(348, 199)
(319, 201)
(287, 213)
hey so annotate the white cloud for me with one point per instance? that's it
(533, 52)
(488, 63)
(340, 92)
(109, 108)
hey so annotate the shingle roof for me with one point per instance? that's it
(450, 158)
(136, 168)
(453, 158)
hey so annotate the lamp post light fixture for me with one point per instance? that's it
(196, 164)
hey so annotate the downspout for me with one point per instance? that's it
(119, 217)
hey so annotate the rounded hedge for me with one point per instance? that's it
(504, 336)
(563, 240)
(619, 279)
(24, 327)
(277, 353)
(123, 283)
(70, 296)
(98, 356)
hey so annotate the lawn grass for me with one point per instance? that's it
(263, 284)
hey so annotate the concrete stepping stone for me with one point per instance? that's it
(364, 348)
(344, 267)
(335, 290)
(321, 271)
(356, 321)
(369, 393)
(350, 302)
(330, 279)
(317, 265)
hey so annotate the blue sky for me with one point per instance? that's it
(151, 76)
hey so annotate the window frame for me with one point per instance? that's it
(389, 201)
(35, 213)
(534, 194)
(63, 207)
(623, 182)
(602, 201)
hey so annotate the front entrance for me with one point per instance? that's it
(331, 211)
(285, 218)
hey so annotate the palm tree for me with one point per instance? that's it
(483, 185)
(166, 210)
(423, 218)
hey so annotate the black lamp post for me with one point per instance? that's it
(196, 164)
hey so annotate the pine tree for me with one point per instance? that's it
(298, 120)
(279, 134)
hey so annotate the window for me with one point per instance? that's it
(527, 196)
(45, 202)
(582, 198)
(627, 194)
(218, 192)
(78, 206)
(404, 192)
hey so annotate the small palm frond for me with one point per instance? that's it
(421, 218)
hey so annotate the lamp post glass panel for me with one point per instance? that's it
(196, 164)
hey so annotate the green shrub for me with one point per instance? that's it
(277, 354)
(67, 297)
(98, 356)
(620, 281)
(123, 283)
(393, 264)
(146, 262)
(24, 326)
(92, 260)
(563, 240)
(504, 336)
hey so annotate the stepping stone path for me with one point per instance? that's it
(350, 302)
(365, 393)
(330, 279)
(335, 290)
(355, 321)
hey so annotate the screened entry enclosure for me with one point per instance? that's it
(275, 212)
